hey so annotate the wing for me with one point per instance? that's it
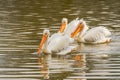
(67, 50)
(57, 43)
(105, 31)
(71, 26)
(96, 34)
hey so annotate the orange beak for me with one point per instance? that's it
(63, 27)
(77, 30)
(44, 38)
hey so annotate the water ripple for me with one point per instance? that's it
(21, 28)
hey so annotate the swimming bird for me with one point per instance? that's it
(59, 44)
(61, 31)
(95, 35)
(53, 44)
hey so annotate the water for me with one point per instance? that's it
(21, 26)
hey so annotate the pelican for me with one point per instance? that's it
(95, 35)
(61, 31)
(59, 44)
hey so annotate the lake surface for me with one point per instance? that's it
(22, 23)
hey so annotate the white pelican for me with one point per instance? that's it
(58, 43)
(61, 31)
(95, 35)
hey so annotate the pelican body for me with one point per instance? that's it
(95, 35)
(59, 44)
(55, 44)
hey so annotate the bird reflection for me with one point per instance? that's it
(59, 64)
(80, 66)
(44, 66)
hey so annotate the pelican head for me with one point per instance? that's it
(64, 20)
(84, 28)
(78, 29)
(63, 25)
(46, 33)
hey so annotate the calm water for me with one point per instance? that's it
(21, 26)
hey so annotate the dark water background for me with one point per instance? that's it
(21, 26)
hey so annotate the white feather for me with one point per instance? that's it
(96, 35)
(71, 27)
(57, 43)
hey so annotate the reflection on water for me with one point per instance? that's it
(21, 26)
(44, 67)
(63, 66)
